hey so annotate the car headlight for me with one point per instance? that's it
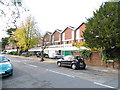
(8, 68)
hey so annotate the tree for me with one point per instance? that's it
(27, 35)
(103, 30)
(11, 14)
(4, 42)
(43, 47)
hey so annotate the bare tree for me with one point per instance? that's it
(10, 13)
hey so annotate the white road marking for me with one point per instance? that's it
(103, 85)
(30, 65)
(60, 73)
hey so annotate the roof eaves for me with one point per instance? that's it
(80, 26)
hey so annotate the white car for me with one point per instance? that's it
(56, 56)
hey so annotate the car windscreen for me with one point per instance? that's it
(3, 59)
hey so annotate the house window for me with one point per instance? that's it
(58, 43)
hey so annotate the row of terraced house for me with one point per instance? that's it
(61, 41)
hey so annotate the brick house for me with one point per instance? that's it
(40, 42)
(61, 41)
(68, 35)
(56, 37)
(79, 33)
(48, 38)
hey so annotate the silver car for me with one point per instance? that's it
(56, 56)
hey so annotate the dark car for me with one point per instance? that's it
(38, 54)
(75, 62)
(6, 67)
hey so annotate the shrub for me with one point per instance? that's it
(15, 53)
(11, 53)
(26, 55)
(85, 53)
(111, 53)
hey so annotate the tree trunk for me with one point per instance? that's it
(42, 56)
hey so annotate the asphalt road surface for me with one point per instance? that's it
(34, 74)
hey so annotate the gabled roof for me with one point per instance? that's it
(79, 26)
(57, 30)
(67, 28)
(50, 33)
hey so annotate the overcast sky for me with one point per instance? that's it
(58, 14)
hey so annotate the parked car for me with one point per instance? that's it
(27, 53)
(3, 52)
(38, 54)
(56, 56)
(75, 62)
(6, 67)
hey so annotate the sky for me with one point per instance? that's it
(58, 14)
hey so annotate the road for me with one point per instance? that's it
(34, 74)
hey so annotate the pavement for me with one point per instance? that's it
(53, 61)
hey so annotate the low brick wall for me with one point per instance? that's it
(97, 61)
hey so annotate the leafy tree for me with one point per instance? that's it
(10, 31)
(4, 42)
(10, 15)
(79, 44)
(103, 29)
(26, 36)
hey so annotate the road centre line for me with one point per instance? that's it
(60, 73)
(103, 85)
(30, 65)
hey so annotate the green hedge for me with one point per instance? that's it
(26, 55)
(13, 53)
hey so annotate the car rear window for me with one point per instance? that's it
(77, 57)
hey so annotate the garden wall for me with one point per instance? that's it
(97, 61)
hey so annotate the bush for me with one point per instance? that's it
(26, 55)
(15, 53)
(11, 53)
(85, 53)
(111, 53)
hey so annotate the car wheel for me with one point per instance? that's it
(11, 74)
(59, 64)
(83, 66)
(73, 66)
